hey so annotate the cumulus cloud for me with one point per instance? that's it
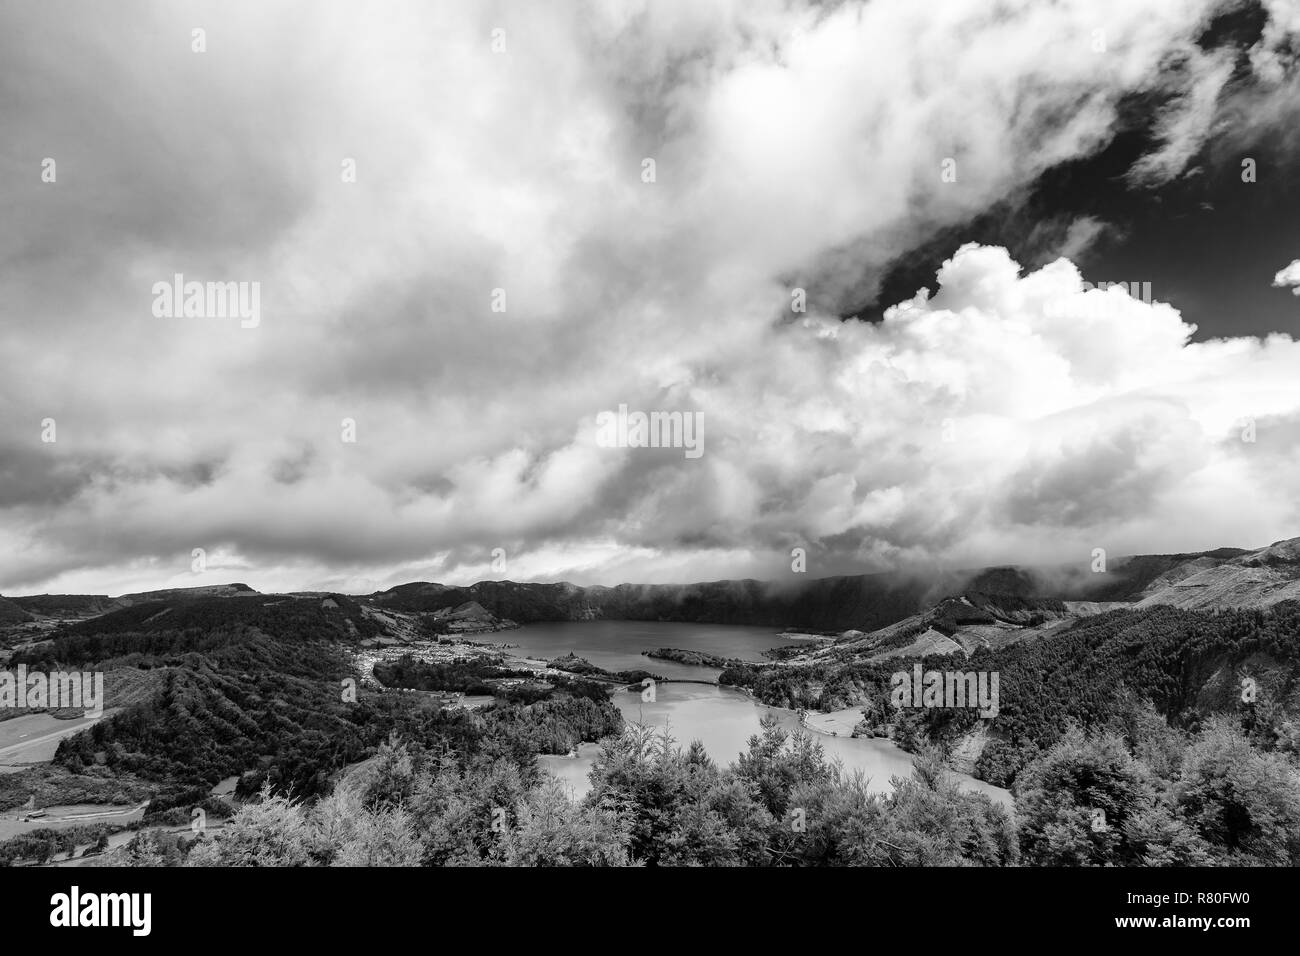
(1006, 416)
(1289, 277)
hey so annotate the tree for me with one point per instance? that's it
(1244, 803)
(640, 776)
(932, 821)
(552, 830)
(1073, 803)
(774, 769)
(271, 832)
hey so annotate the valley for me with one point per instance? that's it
(223, 683)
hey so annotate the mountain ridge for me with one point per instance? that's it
(1220, 577)
(869, 601)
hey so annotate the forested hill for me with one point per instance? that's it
(823, 603)
(862, 602)
(865, 602)
(1138, 712)
(11, 612)
(1189, 664)
(70, 606)
(1098, 672)
(151, 624)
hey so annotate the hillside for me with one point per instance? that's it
(956, 624)
(1188, 664)
(67, 605)
(961, 625)
(336, 617)
(1254, 579)
(865, 602)
(11, 612)
(71, 606)
(837, 603)
(1129, 578)
(212, 683)
(209, 590)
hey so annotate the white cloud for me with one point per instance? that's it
(795, 145)
(1186, 124)
(1289, 277)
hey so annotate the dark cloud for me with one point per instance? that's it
(795, 145)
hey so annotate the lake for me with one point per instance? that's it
(617, 645)
(719, 717)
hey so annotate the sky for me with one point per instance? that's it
(860, 241)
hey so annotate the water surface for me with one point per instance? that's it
(721, 718)
(617, 645)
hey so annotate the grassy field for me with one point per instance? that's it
(33, 738)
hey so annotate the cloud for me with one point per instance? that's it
(1187, 122)
(1066, 237)
(795, 146)
(1289, 277)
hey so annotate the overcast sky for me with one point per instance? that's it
(1005, 415)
